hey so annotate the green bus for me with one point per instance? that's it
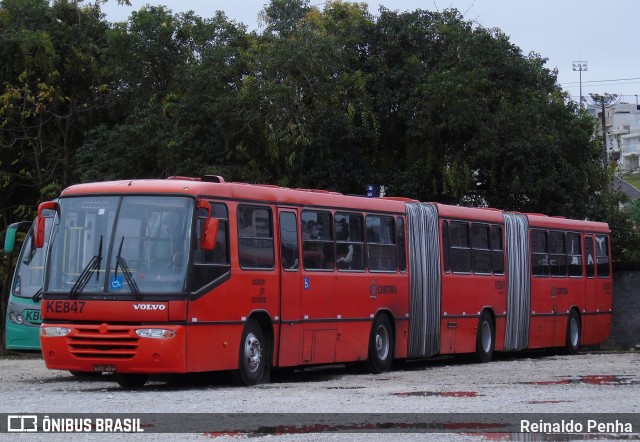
(23, 309)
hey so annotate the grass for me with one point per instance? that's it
(633, 179)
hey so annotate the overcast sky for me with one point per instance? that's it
(602, 32)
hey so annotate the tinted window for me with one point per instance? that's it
(557, 254)
(255, 237)
(497, 250)
(588, 251)
(211, 264)
(445, 246)
(289, 241)
(317, 240)
(539, 256)
(460, 254)
(574, 254)
(349, 241)
(481, 248)
(602, 255)
(381, 247)
(402, 253)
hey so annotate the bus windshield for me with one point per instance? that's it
(29, 273)
(121, 245)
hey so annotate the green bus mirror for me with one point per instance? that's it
(12, 235)
(10, 239)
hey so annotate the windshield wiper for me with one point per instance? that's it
(37, 296)
(92, 266)
(120, 262)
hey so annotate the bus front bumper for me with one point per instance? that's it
(114, 348)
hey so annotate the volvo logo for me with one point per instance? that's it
(149, 307)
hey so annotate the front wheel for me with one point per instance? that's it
(485, 338)
(572, 342)
(253, 350)
(380, 345)
(86, 374)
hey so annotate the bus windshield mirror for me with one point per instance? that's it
(85, 276)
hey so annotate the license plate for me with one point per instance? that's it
(104, 368)
(32, 316)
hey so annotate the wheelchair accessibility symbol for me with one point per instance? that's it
(116, 282)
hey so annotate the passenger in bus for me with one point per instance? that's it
(345, 261)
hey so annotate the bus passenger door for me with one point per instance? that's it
(589, 305)
(291, 327)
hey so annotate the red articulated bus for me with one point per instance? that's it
(196, 275)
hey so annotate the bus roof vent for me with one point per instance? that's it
(182, 178)
(213, 179)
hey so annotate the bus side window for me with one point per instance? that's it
(402, 248)
(255, 237)
(317, 240)
(588, 251)
(497, 250)
(481, 254)
(460, 254)
(574, 254)
(289, 241)
(557, 254)
(539, 255)
(349, 241)
(209, 265)
(446, 262)
(381, 246)
(602, 256)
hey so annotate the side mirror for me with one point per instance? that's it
(210, 229)
(10, 239)
(11, 235)
(210, 234)
(39, 232)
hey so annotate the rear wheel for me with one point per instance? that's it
(253, 351)
(380, 345)
(485, 338)
(572, 343)
(131, 380)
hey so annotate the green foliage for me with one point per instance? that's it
(428, 104)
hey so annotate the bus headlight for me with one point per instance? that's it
(16, 318)
(54, 331)
(155, 333)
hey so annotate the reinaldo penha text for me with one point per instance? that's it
(575, 426)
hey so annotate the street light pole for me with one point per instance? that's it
(580, 65)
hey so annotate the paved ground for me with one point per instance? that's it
(588, 383)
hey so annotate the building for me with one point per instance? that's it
(622, 122)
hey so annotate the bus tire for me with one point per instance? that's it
(253, 351)
(572, 342)
(485, 338)
(381, 347)
(86, 374)
(131, 381)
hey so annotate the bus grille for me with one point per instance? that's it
(94, 342)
